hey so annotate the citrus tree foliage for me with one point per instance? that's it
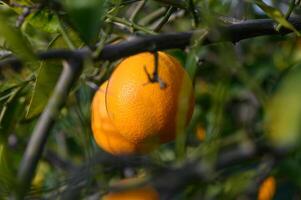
(246, 121)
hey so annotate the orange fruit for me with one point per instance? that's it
(201, 132)
(267, 189)
(105, 133)
(146, 192)
(149, 112)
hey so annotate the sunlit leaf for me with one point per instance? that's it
(283, 115)
(42, 170)
(238, 183)
(13, 37)
(45, 21)
(61, 43)
(6, 175)
(276, 15)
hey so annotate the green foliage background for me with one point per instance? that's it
(247, 93)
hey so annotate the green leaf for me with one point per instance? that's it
(191, 63)
(44, 85)
(6, 175)
(238, 183)
(283, 114)
(44, 21)
(179, 54)
(276, 15)
(86, 16)
(12, 36)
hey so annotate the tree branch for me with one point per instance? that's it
(42, 129)
(111, 52)
(197, 170)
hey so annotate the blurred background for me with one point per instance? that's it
(246, 121)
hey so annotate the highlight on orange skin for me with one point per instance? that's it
(104, 131)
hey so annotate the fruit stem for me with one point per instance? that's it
(155, 78)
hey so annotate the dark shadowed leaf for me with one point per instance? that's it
(86, 17)
(11, 111)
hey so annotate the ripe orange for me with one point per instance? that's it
(141, 193)
(105, 133)
(146, 112)
(201, 132)
(267, 189)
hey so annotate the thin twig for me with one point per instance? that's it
(129, 24)
(168, 13)
(194, 13)
(107, 32)
(137, 9)
(65, 35)
(291, 8)
(152, 17)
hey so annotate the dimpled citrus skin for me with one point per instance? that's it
(104, 132)
(143, 111)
